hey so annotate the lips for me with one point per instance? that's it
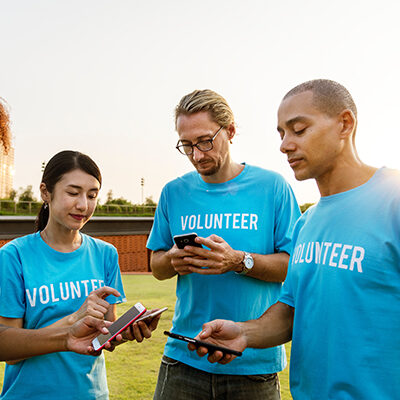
(294, 161)
(77, 217)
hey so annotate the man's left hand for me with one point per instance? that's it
(219, 259)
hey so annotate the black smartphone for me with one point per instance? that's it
(119, 325)
(186, 240)
(211, 347)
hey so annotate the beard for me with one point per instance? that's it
(210, 170)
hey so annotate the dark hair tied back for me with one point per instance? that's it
(60, 164)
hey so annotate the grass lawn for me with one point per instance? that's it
(132, 368)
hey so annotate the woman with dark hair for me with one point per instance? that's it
(46, 276)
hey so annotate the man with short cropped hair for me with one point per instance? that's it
(243, 216)
(340, 303)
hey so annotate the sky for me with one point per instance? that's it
(103, 77)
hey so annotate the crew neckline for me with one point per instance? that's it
(370, 181)
(48, 248)
(217, 185)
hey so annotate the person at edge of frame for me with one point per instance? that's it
(340, 303)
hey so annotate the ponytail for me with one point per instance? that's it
(42, 218)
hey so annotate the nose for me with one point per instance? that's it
(82, 203)
(287, 145)
(197, 154)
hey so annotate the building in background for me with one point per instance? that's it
(6, 172)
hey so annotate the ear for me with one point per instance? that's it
(231, 131)
(348, 124)
(44, 193)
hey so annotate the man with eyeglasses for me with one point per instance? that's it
(243, 216)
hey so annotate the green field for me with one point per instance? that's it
(133, 367)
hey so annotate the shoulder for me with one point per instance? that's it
(388, 178)
(181, 183)
(98, 244)
(20, 243)
(266, 175)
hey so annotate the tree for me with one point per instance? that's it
(26, 194)
(149, 201)
(304, 207)
(13, 195)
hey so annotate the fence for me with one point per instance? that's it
(10, 207)
(128, 234)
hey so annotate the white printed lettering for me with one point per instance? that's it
(64, 296)
(334, 254)
(218, 221)
(44, 294)
(209, 221)
(343, 256)
(53, 298)
(184, 222)
(253, 221)
(75, 290)
(309, 252)
(236, 221)
(327, 245)
(192, 222)
(85, 282)
(356, 259)
(227, 220)
(94, 286)
(244, 224)
(32, 299)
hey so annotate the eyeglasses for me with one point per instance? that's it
(203, 145)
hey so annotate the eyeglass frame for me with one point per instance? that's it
(211, 141)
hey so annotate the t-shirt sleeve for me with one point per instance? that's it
(160, 236)
(12, 288)
(113, 276)
(287, 289)
(287, 213)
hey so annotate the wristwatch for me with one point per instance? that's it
(248, 264)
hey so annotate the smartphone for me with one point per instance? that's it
(211, 347)
(151, 314)
(186, 240)
(119, 325)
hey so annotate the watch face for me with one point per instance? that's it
(248, 261)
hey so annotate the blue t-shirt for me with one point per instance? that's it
(344, 283)
(42, 285)
(253, 212)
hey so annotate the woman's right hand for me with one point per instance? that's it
(94, 305)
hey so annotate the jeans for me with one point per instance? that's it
(178, 381)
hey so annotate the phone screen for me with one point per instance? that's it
(211, 347)
(121, 323)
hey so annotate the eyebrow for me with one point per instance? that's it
(292, 121)
(200, 137)
(80, 187)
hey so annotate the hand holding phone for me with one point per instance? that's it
(210, 346)
(119, 325)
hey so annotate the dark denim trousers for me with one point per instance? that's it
(178, 381)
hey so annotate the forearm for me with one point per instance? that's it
(273, 328)
(17, 343)
(161, 266)
(270, 267)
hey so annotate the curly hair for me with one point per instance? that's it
(5, 133)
